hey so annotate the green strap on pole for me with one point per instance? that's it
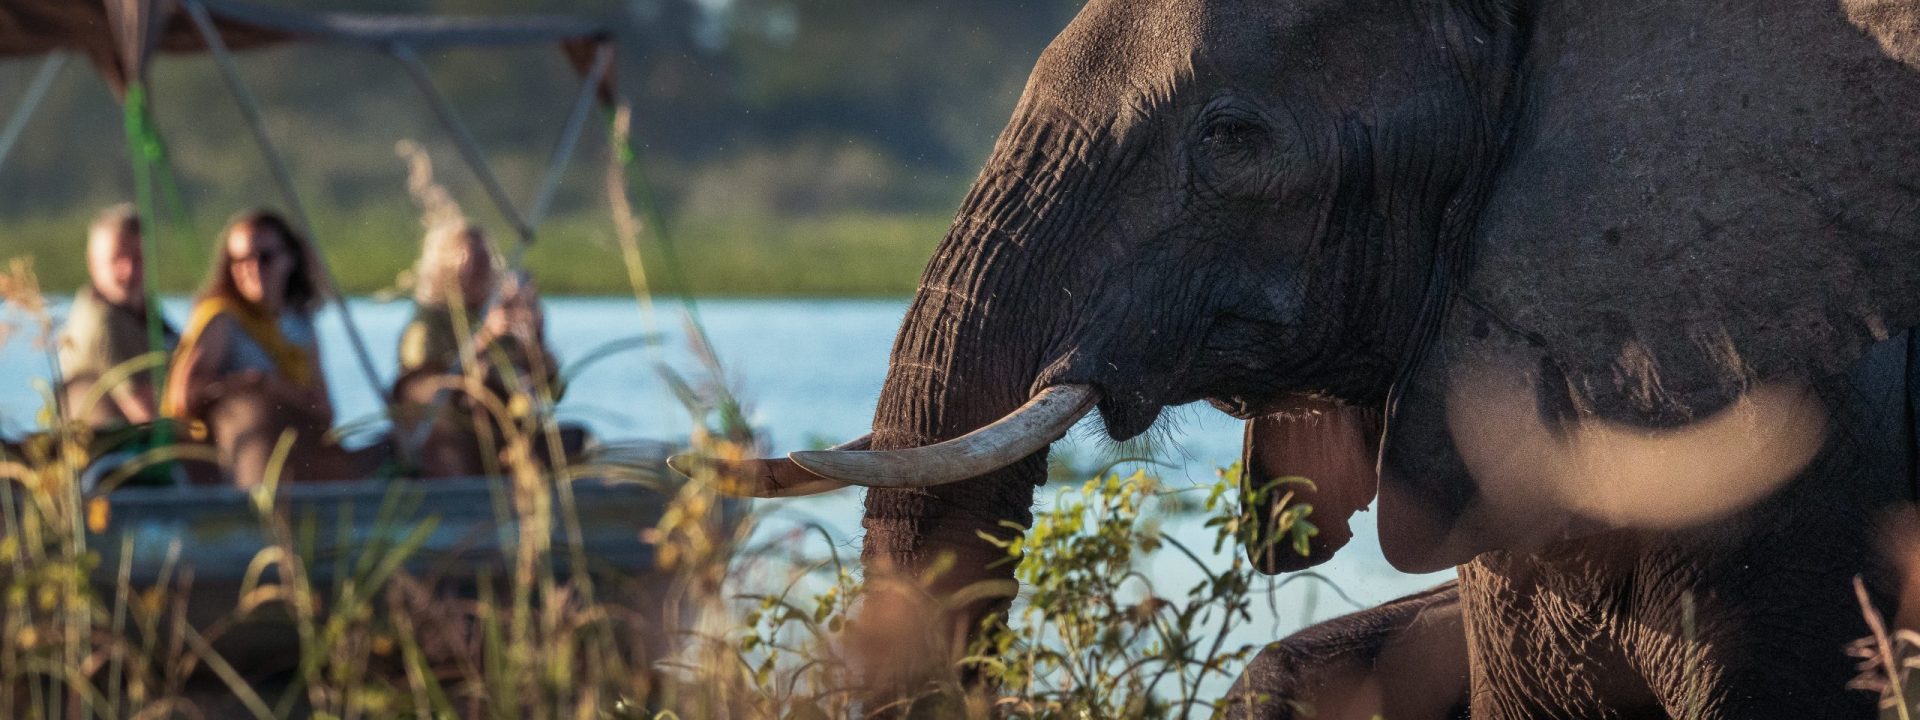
(148, 153)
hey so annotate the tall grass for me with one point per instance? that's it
(540, 641)
(732, 623)
(723, 626)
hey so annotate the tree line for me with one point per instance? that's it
(762, 107)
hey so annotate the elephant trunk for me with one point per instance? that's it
(973, 343)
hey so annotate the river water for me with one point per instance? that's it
(809, 371)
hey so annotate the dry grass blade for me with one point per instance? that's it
(228, 675)
(1880, 655)
(437, 206)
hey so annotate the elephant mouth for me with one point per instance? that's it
(1128, 415)
(1249, 408)
(1250, 367)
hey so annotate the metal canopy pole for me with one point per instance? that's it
(469, 149)
(570, 134)
(250, 110)
(523, 225)
(30, 102)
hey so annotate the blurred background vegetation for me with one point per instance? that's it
(797, 147)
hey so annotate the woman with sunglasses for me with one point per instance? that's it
(248, 365)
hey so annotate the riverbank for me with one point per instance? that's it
(849, 255)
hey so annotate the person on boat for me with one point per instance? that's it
(513, 339)
(521, 371)
(108, 327)
(455, 340)
(453, 278)
(248, 365)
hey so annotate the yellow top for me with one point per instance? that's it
(290, 359)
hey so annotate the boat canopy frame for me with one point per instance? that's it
(121, 38)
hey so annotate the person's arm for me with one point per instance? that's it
(134, 396)
(414, 346)
(82, 354)
(193, 374)
(320, 396)
(313, 400)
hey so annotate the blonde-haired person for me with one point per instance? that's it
(248, 366)
(452, 280)
(453, 339)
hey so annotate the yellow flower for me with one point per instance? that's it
(98, 513)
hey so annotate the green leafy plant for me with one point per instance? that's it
(1094, 635)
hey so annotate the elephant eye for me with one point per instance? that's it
(1232, 135)
(1231, 149)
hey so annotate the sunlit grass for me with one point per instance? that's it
(754, 625)
(752, 628)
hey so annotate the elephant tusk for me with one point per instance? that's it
(1023, 432)
(1627, 476)
(763, 478)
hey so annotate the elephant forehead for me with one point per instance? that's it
(1891, 23)
(1116, 51)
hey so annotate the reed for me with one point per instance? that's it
(749, 623)
(750, 628)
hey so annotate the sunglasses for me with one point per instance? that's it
(260, 257)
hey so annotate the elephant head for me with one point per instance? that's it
(1529, 255)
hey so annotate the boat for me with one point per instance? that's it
(219, 530)
(148, 535)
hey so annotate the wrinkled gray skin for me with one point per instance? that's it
(1406, 660)
(1588, 628)
(1647, 208)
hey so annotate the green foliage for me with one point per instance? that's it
(1091, 635)
(1285, 528)
(1094, 635)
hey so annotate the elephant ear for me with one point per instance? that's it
(1709, 212)
(1311, 463)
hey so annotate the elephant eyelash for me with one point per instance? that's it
(1229, 159)
(1232, 135)
(1232, 132)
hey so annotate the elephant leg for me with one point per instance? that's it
(1736, 644)
(1406, 659)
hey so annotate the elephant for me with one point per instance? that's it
(1406, 659)
(1575, 294)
